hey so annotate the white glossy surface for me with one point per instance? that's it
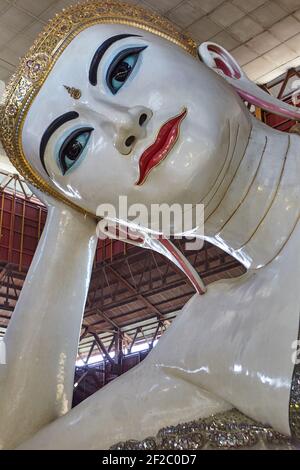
(230, 347)
(235, 342)
(260, 208)
(189, 171)
(42, 337)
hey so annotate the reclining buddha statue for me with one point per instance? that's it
(113, 100)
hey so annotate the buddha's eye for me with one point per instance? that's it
(121, 68)
(73, 148)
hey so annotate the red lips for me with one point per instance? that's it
(164, 143)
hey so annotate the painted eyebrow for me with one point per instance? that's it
(50, 131)
(100, 53)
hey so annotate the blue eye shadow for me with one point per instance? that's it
(109, 60)
(61, 140)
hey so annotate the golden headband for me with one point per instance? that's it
(35, 67)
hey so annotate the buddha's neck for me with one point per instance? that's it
(255, 209)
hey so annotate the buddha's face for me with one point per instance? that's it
(152, 123)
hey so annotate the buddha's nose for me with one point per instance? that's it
(131, 126)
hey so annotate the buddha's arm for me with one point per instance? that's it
(234, 342)
(42, 338)
(134, 406)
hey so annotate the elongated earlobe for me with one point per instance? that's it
(219, 60)
(160, 244)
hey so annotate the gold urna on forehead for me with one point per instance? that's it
(35, 67)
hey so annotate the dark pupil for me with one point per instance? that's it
(73, 150)
(122, 71)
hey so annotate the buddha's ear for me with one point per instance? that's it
(137, 236)
(219, 60)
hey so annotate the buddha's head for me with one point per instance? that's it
(111, 100)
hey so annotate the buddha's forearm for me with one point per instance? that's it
(42, 338)
(136, 405)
